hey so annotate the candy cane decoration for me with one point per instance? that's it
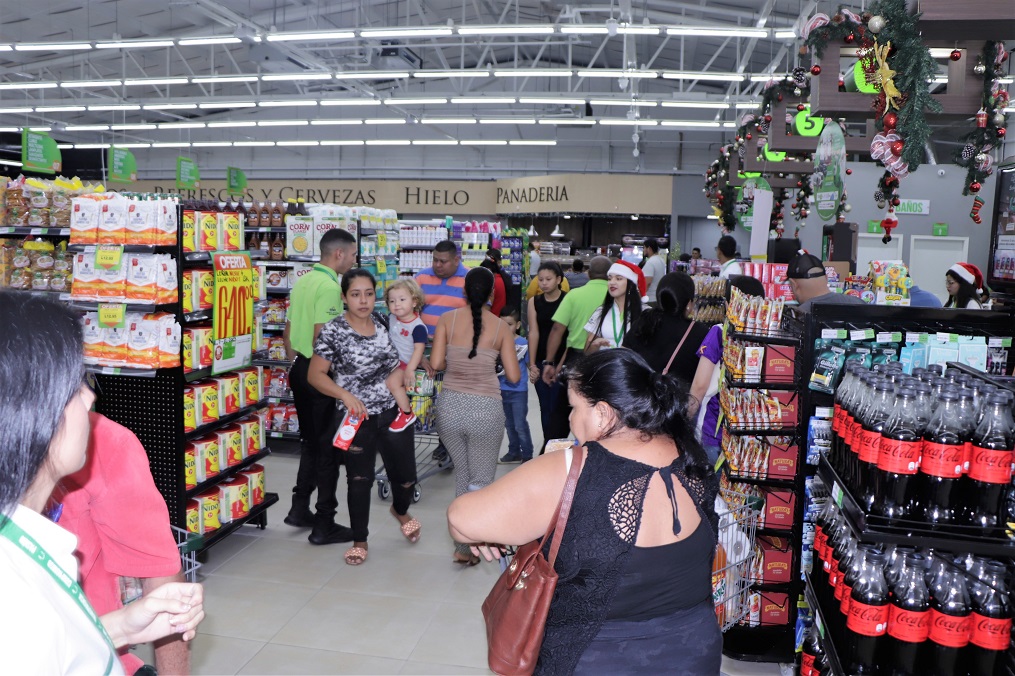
(881, 150)
(817, 21)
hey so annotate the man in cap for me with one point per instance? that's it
(806, 274)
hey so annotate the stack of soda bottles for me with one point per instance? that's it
(925, 448)
(899, 610)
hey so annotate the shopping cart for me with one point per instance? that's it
(429, 460)
(186, 542)
(732, 569)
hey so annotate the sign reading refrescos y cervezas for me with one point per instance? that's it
(39, 153)
(233, 312)
(830, 168)
(122, 165)
(188, 176)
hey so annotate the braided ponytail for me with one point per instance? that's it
(478, 288)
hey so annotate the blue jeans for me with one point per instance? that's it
(516, 411)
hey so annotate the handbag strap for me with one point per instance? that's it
(558, 524)
(679, 345)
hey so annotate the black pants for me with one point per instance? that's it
(315, 411)
(559, 423)
(397, 450)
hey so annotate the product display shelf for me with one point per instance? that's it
(761, 481)
(127, 248)
(282, 400)
(223, 421)
(273, 363)
(273, 327)
(152, 408)
(121, 371)
(294, 436)
(787, 384)
(278, 292)
(229, 472)
(835, 665)
(93, 305)
(767, 430)
(28, 231)
(195, 317)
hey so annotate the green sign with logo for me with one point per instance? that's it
(746, 202)
(940, 230)
(773, 155)
(829, 172)
(122, 165)
(188, 176)
(236, 181)
(39, 153)
(808, 126)
(874, 227)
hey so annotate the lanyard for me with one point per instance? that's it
(618, 338)
(35, 552)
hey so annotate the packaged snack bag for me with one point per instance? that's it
(85, 276)
(142, 343)
(142, 278)
(141, 224)
(84, 221)
(113, 221)
(93, 338)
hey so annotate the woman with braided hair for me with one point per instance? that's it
(470, 415)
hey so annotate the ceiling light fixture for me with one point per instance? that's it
(617, 72)
(52, 46)
(518, 29)
(254, 144)
(114, 107)
(182, 125)
(435, 142)
(27, 85)
(534, 72)
(388, 142)
(171, 106)
(765, 78)
(287, 104)
(470, 72)
(371, 75)
(335, 122)
(87, 127)
(10, 130)
(620, 122)
(343, 142)
(448, 120)
(702, 75)
(133, 145)
(155, 81)
(632, 29)
(552, 101)
(90, 146)
(296, 77)
(37, 128)
(10, 163)
(282, 123)
(703, 124)
(136, 44)
(216, 79)
(211, 144)
(569, 121)
(705, 105)
(317, 35)
(59, 109)
(130, 127)
(717, 31)
(14, 111)
(223, 40)
(244, 123)
(413, 32)
(385, 120)
(226, 104)
(481, 100)
(532, 143)
(509, 120)
(483, 142)
(583, 29)
(622, 102)
(179, 144)
(784, 35)
(350, 102)
(747, 105)
(297, 143)
(88, 84)
(414, 102)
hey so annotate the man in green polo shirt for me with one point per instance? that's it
(315, 300)
(571, 317)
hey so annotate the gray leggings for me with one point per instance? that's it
(472, 429)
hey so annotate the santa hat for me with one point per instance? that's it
(631, 273)
(968, 272)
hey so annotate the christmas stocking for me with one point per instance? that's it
(975, 213)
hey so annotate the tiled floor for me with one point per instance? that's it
(279, 605)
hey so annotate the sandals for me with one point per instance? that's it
(355, 556)
(470, 561)
(410, 529)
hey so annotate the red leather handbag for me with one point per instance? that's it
(516, 608)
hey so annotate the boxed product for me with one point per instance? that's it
(204, 288)
(206, 454)
(207, 230)
(189, 410)
(779, 360)
(323, 224)
(230, 232)
(299, 236)
(774, 608)
(787, 406)
(255, 479)
(206, 402)
(190, 466)
(250, 428)
(193, 516)
(276, 279)
(234, 499)
(202, 345)
(230, 446)
(208, 503)
(776, 559)
(973, 352)
(779, 506)
(250, 386)
(912, 356)
(228, 393)
(188, 225)
(782, 458)
(300, 269)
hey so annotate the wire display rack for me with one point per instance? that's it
(188, 554)
(732, 569)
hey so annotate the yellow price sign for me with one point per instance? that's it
(112, 315)
(109, 256)
(382, 266)
(382, 240)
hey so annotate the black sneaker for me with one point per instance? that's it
(330, 534)
(509, 459)
(298, 518)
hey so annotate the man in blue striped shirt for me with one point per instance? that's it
(443, 284)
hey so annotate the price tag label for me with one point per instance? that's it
(837, 494)
(109, 256)
(999, 342)
(943, 337)
(38, 231)
(833, 333)
(6, 231)
(823, 412)
(112, 315)
(110, 370)
(820, 625)
(858, 334)
(884, 337)
(382, 266)
(382, 239)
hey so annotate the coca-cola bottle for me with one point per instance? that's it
(868, 616)
(823, 526)
(856, 404)
(895, 564)
(899, 457)
(850, 568)
(990, 633)
(990, 465)
(970, 417)
(943, 457)
(812, 654)
(839, 416)
(909, 617)
(924, 403)
(950, 623)
(873, 421)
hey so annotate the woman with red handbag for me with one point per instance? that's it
(633, 572)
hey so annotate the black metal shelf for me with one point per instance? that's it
(196, 257)
(416, 247)
(783, 385)
(29, 230)
(304, 259)
(127, 248)
(280, 400)
(763, 481)
(775, 337)
(223, 421)
(258, 516)
(121, 371)
(771, 586)
(277, 230)
(765, 643)
(273, 363)
(228, 473)
(273, 327)
(743, 429)
(831, 654)
(787, 532)
(278, 292)
(871, 528)
(295, 436)
(196, 317)
(197, 375)
(93, 305)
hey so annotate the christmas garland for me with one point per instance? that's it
(724, 198)
(990, 125)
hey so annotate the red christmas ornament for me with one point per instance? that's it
(794, 205)
(815, 70)
(850, 39)
(749, 137)
(768, 118)
(1001, 132)
(975, 186)
(778, 97)
(896, 148)
(890, 120)
(955, 55)
(799, 184)
(849, 172)
(800, 107)
(896, 201)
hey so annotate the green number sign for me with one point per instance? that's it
(807, 125)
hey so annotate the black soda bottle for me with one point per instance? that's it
(849, 570)
(860, 402)
(909, 617)
(990, 463)
(943, 458)
(840, 416)
(822, 527)
(868, 616)
(899, 457)
(812, 654)
(878, 410)
(950, 623)
(990, 633)
(895, 564)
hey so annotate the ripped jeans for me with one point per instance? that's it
(397, 450)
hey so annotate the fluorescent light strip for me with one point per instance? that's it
(335, 122)
(620, 102)
(425, 74)
(87, 127)
(631, 29)
(283, 123)
(480, 100)
(404, 32)
(318, 35)
(549, 101)
(65, 146)
(59, 109)
(729, 125)
(766, 78)
(704, 105)
(223, 40)
(414, 102)
(717, 32)
(38, 128)
(448, 120)
(11, 163)
(747, 106)
(483, 142)
(342, 143)
(712, 217)
(619, 122)
(171, 106)
(296, 76)
(583, 29)
(87, 84)
(136, 44)
(15, 111)
(155, 81)
(27, 85)
(224, 79)
(182, 125)
(226, 104)
(569, 121)
(435, 142)
(534, 72)
(297, 143)
(52, 46)
(11, 130)
(385, 120)
(532, 143)
(181, 144)
(133, 145)
(90, 146)
(6, 48)
(702, 75)
(784, 35)
(220, 125)
(211, 144)
(130, 127)
(287, 104)
(507, 30)
(618, 73)
(371, 75)
(703, 124)
(387, 142)
(350, 102)
(508, 120)
(114, 107)
(253, 144)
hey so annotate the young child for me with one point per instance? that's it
(408, 334)
(515, 397)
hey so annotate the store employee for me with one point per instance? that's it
(315, 300)
(726, 252)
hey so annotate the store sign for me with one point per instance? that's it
(806, 125)
(829, 172)
(236, 181)
(939, 230)
(39, 153)
(233, 311)
(874, 227)
(589, 193)
(188, 176)
(913, 208)
(747, 209)
(122, 165)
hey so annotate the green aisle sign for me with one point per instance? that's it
(806, 125)
(188, 177)
(236, 181)
(39, 153)
(830, 168)
(122, 165)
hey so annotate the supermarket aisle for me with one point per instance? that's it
(278, 605)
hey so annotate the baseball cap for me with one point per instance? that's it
(802, 266)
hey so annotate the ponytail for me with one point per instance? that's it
(478, 287)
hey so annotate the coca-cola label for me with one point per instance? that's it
(943, 460)
(853, 438)
(837, 418)
(867, 620)
(820, 542)
(990, 633)
(845, 599)
(899, 457)
(870, 446)
(949, 631)
(910, 626)
(807, 665)
(990, 466)
(967, 453)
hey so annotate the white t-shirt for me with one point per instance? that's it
(44, 631)
(534, 262)
(655, 267)
(613, 328)
(730, 268)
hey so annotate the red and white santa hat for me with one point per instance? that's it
(969, 273)
(631, 273)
